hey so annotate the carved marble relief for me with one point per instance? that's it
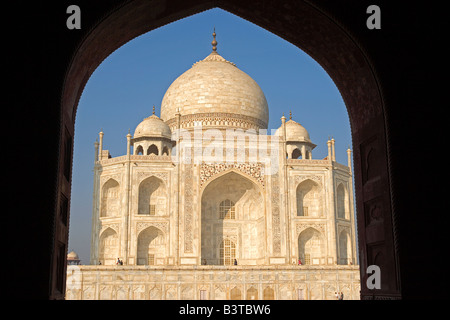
(188, 210)
(276, 228)
(254, 170)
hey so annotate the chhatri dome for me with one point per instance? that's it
(294, 131)
(215, 93)
(72, 258)
(152, 126)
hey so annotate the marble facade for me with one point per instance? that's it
(193, 217)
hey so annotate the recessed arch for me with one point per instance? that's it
(252, 293)
(345, 248)
(235, 294)
(216, 232)
(110, 199)
(139, 150)
(151, 246)
(309, 199)
(152, 197)
(268, 294)
(296, 153)
(342, 201)
(232, 170)
(108, 247)
(311, 247)
(153, 149)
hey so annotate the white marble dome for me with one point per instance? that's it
(215, 88)
(72, 256)
(294, 132)
(152, 127)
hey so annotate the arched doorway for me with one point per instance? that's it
(342, 202)
(311, 247)
(151, 246)
(232, 206)
(110, 204)
(309, 199)
(345, 249)
(109, 247)
(152, 197)
(153, 149)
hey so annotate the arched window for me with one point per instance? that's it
(252, 293)
(227, 210)
(165, 151)
(153, 149)
(342, 203)
(235, 294)
(268, 294)
(151, 245)
(139, 150)
(309, 199)
(296, 154)
(152, 197)
(345, 249)
(108, 247)
(110, 200)
(229, 203)
(310, 246)
(227, 252)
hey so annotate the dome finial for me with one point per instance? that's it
(153, 109)
(290, 115)
(214, 42)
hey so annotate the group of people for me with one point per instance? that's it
(339, 295)
(234, 262)
(119, 262)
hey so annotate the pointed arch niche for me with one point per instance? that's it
(151, 247)
(311, 247)
(343, 210)
(110, 201)
(152, 199)
(309, 199)
(345, 248)
(246, 231)
(108, 247)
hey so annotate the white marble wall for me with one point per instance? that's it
(216, 282)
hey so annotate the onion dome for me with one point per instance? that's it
(152, 126)
(215, 93)
(294, 131)
(72, 256)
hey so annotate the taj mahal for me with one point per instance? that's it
(208, 204)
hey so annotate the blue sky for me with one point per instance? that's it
(123, 89)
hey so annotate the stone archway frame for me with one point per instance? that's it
(320, 35)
